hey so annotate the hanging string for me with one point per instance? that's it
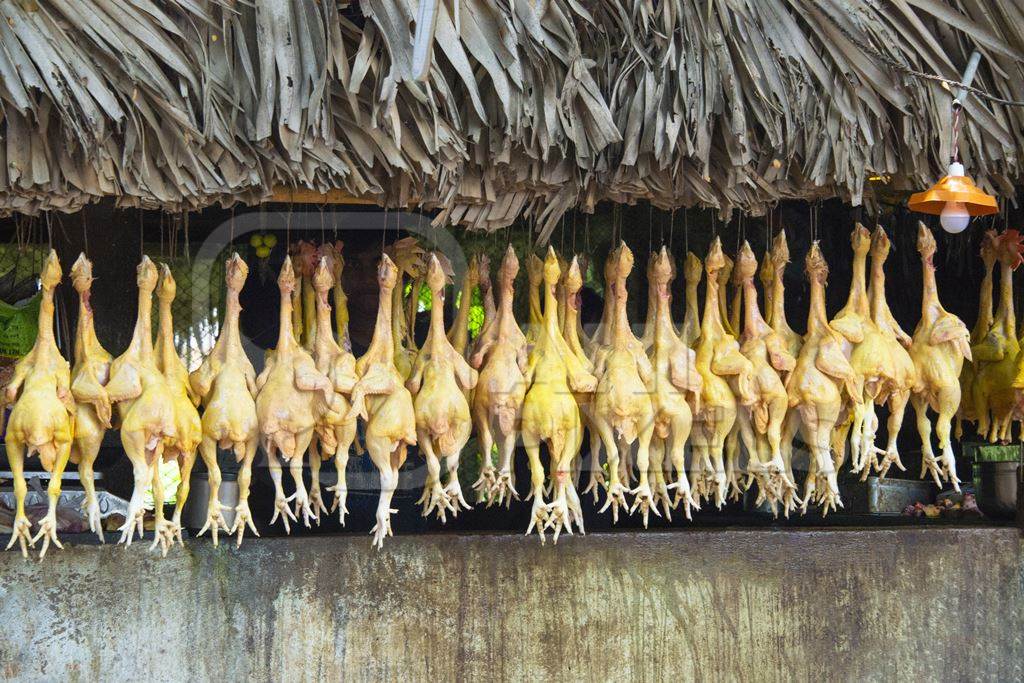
(231, 227)
(384, 232)
(588, 233)
(142, 236)
(671, 229)
(650, 228)
(188, 250)
(288, 227)
(85, 235)
(686, 229)
(49, 228)
(323, 228)
(574, 213)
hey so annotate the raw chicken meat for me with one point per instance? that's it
(982, 325)
(226, 383)
(381, 399)
(92, 405)
(550, 414)
(144, 401)
(41, 421)
(188, 430)
(439, 382)
(940, 345)
(498, 400)
(287, 406)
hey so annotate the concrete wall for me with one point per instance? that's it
(903, 604)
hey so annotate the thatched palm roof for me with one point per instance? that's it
(528, 106)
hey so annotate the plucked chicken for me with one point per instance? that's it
(676, 394)
(761, 422)
(381, 399)
(623, 413)
(335, 429)
(982, 325)
(226, 383)
(817, 388)
(996, 355)
(941, 343)
(550, 415)
(287, 401)
(409, 257)
(188, 430)
(718, 361)
(439, 383)
(899, 376)
(535, 282)
(144, 401)
(498, 400)
(42, 420)
(92, 406)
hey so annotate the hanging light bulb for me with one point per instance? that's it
(954, 217)
(955, 199)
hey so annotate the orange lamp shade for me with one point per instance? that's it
(955, 187)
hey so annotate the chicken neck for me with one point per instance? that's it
(711, 325)
(86, 341)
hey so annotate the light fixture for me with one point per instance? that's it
(955, 198)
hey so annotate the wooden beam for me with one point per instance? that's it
(303, 195)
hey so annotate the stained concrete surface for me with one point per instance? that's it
(896, 604)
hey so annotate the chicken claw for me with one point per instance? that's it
(558, 517)
(684, 495)
(538, 516)
(215, 522)
(485, 484)
(889, 458)
(164, 533)
(243, 518)
(382, 529)
(340, 497)
(435, 497)
(664, 498)
(132, 523)
(644, 501)
(316, 503)
(92, 515)
(616, 499)
(301, 498)
(282, 509)
(595, 483)
(48, 533)
(454, 493)
(22, 534)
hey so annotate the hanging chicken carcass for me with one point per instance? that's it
(382, 401)
(42, 419)
(89, 374)
(226, 383)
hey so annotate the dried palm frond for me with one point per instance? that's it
(513, 108)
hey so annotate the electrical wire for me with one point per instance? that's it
(903, 68)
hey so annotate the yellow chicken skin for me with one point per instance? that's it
(226, 384)
(409, 257)
(144, 401)
(458, 335)
(42, 420)
(718, 361)
(940, 344)
(623, 414)
(307, 261)
(693, 270)
(898, 375)
(761, 423)
(996, 355)
(333, 252)
(188, 430)
(335, 430)
(571, 282)
(550, 415)
(817, 387)
(89, 374)
(535, 280)
(967, 412)
(676, 393)
(288, 391)
(439, 382)
(865, 348)
(776, 299)
(501, 388)
(381, 399)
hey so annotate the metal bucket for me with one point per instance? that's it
(995, 485)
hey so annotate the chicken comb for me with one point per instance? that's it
(1011, 245)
